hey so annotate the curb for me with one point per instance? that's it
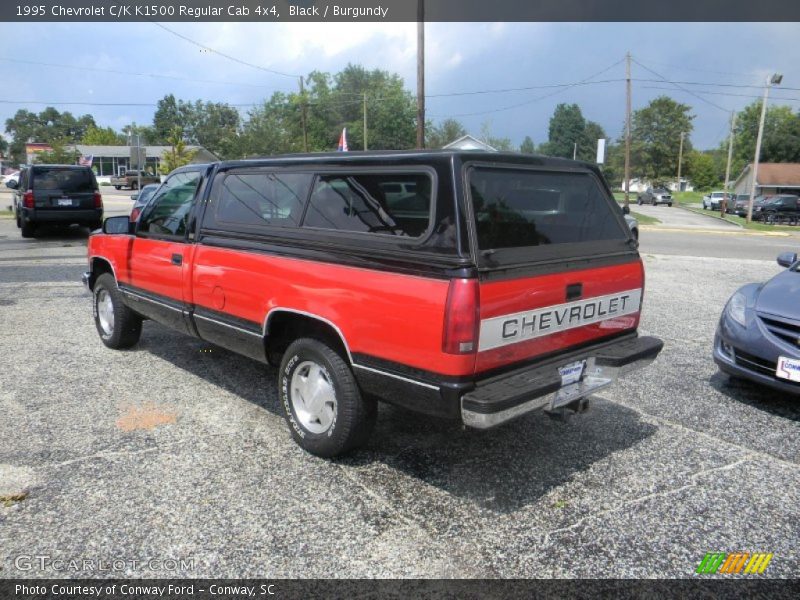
(705, 214)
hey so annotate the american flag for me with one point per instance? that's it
(86, 160)
(343, 141)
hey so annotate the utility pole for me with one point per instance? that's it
(420, 74)
(730, 155)
(774, 80)
(303, 115)
(680, 163)
(138, 163)
(365, 120)
(627, 126)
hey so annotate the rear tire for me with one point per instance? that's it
(117, 187)
(28, 229)
(119, 327)
(326, 413)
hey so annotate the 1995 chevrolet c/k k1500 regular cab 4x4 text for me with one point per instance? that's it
(470, 285)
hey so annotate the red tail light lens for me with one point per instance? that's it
(461, 317)
(98, 200)
(134, 215)
(27, 199)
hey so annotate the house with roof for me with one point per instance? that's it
(773, 178)
(467, 142)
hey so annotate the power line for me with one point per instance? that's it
(222, 54)
(707, 93)
(664, 79)
(134, 73)
(519, 89)
(683, 68)
(585, 81)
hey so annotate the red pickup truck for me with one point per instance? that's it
(477, 286)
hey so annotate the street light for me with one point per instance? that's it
(774, 80)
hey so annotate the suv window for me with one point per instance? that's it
(383, 203)
(168, 211)
(517, 208)
(66, 180)
(262, 198)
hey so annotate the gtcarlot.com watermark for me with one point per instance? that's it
(47, 562)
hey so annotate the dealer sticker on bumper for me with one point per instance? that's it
(572, 372)
(788, 368)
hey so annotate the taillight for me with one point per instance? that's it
(27, 199)
(98, 200)
(461, 317)
(134, 214)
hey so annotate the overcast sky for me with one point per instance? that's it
(460, 57)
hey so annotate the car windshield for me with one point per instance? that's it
(660, 191)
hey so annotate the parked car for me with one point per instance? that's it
(132, 179)
(655, 196)
(784, 208)
(758, 202)
(737, 203)
(518, 291)
(141, 199)
(56, 194)
(713, 200)
(758, 336)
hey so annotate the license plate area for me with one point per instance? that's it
(64, 201)
(572, 372)
(788, 368)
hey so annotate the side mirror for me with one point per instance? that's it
(787, 259)
(134, 197)
(626, 210)
(118, 225)
(12, 183)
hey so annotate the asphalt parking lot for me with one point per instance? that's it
(178, 450)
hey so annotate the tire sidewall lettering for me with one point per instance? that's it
(286, 377)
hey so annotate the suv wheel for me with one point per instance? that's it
(118, 326)
(28, 229)
(324, 408)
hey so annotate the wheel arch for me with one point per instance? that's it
(284, 325)
(99, 266)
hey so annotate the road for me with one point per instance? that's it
(178, 449)
(683, 232)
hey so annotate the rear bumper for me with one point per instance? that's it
(39, 215)
(508, 396)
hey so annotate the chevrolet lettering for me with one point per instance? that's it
(478, 286)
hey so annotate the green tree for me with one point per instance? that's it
(567, 127)
(527, 146)
(587, 147)
(272, 128)
(47, 127)
(701, 170)
(655, 138)
(438, 136)
(781, 140)
(178, 155)
(102, 136)
(59, 155)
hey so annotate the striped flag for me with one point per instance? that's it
(86, 160)
(343, 141)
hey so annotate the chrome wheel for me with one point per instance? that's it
(313, 397)
(105, 311)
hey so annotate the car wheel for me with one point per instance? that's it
(118, 326)
(28, 229)
(134, 186)
(326, 413)
(639, 201)
(19, 222)
(669, 204)
(117, 187)
(96, 225)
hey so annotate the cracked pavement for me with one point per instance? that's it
(178, 449)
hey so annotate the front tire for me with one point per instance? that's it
(119, 327)
(326, 413)
(117, 187)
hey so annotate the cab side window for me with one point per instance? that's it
(168, 212)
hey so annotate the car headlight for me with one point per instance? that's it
(736, 308)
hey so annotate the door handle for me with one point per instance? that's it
(177, 259)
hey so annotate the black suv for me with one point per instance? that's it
(785, 207)
(56, 194)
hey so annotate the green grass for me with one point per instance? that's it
(644, 219)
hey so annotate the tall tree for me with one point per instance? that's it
(527, 146)
(449, 130)
(567, 127)
(102, 136)
(178, 155)
(702, 171)
(587, 147)
(656, 135)
(781, 141)
(59, 155)
(47, 127)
